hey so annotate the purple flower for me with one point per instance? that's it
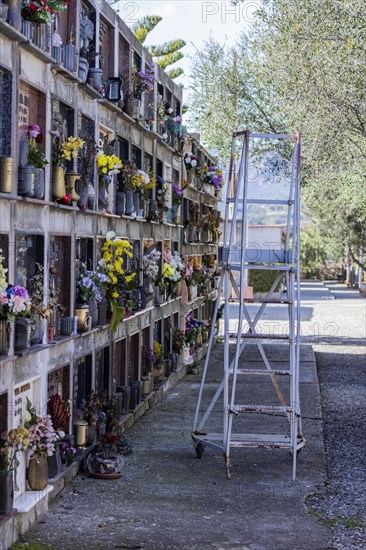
(87, 282)
(33, 130)
(19, 291)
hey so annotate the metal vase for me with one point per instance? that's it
(129, 203)
(14, 13)
(38, 183)
(6, 492)
(26, 180)
(22, 334)
(58, 182)
(6, 174)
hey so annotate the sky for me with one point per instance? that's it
(191, 20)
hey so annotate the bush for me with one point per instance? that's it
(261, 281)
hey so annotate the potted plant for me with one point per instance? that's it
(11, 443)
(63, 149)
(115, 251)
(133, 91)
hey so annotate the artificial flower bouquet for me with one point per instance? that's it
(12, 442)
(107, 166)
(41, 11)
(191, 162)
(64, 150)
(91, 285)
(150, 264)
(212, 175)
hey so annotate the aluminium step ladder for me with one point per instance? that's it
(284, 261)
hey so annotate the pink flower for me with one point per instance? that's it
(33, 130)
(3, 297)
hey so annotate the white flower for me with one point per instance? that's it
(17, 304)
(110, 235)
(193, 163)
(187, 160)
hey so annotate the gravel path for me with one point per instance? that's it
(341, 362)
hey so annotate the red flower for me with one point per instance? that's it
(33, 7)
(39, 138)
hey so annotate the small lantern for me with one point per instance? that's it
(113, 89)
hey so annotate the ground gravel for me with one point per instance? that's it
(341, 363)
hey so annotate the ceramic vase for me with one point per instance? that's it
(38, 473)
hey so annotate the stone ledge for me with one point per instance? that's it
(30, 499)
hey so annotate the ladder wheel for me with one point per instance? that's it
(199, 450)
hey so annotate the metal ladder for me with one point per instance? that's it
(285, 262)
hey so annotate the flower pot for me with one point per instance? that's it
(38, 473)
(57, 54)
(95, 78)
(83, 69)
(26, 180)
(82, 313)
(22, 333)
(102, 312)
(6, 492)
(129, 203)
(58, 182)
(54, 463)
(3, 337)
(93, 312)
(6, 174)
(121, 204)
(38, 183)
(72, 179)
(14, 13)
(160, 296)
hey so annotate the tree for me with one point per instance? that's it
(164, 55)
(302, 67)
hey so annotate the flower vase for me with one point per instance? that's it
(58, 182)
(6, 492)
(95, 78)
(26, 180)
(22, 333)
(3, 337)
(178, 289)
(54, 463)
(83, 69)
(14, 13)
(72, 179)
(93, 312)
(6, 174)
(136, 203)
(82, 314)
(102, 312)
(129, 203)
(118, 313)
(121, 204)
(133, 107)
(38, 183)
(38, 473)
(42, 36)
(37, 333)
(82, 191)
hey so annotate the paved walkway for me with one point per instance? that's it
(167, 499)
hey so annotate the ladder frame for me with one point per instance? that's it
(290, 270)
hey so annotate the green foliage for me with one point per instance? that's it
(144, 25)
(169, 59)
(174, 73)
(301, 67)
(164, 55)
(167, 48)
(261, 281)
(313, 253)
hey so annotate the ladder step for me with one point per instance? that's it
(262, 408)
(262, 371)
(259, 301)
(260, 336)
(260, 201)
(237, 267)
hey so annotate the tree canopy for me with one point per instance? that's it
(301, 67)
